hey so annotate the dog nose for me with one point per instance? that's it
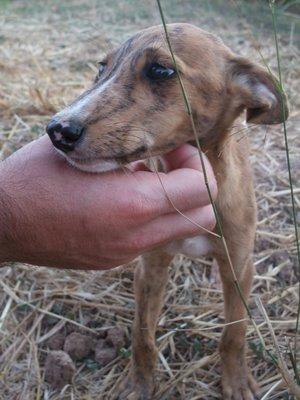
(64, 135)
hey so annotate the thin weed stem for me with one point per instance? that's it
(218, 221)
(219, 226)
(281, 90)
(175, 207)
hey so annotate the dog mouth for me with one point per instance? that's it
(104, 163)
(91, 165)
(95, 166)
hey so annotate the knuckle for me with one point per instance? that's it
(211, 220)
(203, 187)
(213, 187)
(138, 208)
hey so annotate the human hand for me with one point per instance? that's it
(54, 215)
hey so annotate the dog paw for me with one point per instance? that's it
(238, 384)
(135, 390)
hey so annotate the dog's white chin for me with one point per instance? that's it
(102, 166)
(97, 167)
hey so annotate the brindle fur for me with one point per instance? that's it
(133, 118)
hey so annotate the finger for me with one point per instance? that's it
(175, 226)
(193, 222)
(182, 189)
(187, 156)
(137, 166)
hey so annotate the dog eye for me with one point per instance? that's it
(158, 72)
(101, 68)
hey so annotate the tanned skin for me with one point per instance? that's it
(127, 115)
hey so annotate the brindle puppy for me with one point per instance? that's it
(135, 108)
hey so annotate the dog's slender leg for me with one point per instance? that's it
(237, 381)
(150, 280)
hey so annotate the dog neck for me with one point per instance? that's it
(229, 148)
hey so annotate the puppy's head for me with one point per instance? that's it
(135, 107)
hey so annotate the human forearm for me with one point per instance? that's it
(6, 238)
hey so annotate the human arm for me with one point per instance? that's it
(56, 216)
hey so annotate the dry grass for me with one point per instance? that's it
(47, 56)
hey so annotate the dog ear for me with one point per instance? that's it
(257, 90)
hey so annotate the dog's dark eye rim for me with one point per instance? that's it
(101, 67)
(156, 71)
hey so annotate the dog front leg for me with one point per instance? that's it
(150, 280)
(237, 381)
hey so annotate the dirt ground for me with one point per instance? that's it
(48, 54)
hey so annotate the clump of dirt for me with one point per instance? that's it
(59, 369)
(116, 337)
(78, 346)
(104, 354)
(107, 349)
(56, 342)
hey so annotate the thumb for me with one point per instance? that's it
(187, 156)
